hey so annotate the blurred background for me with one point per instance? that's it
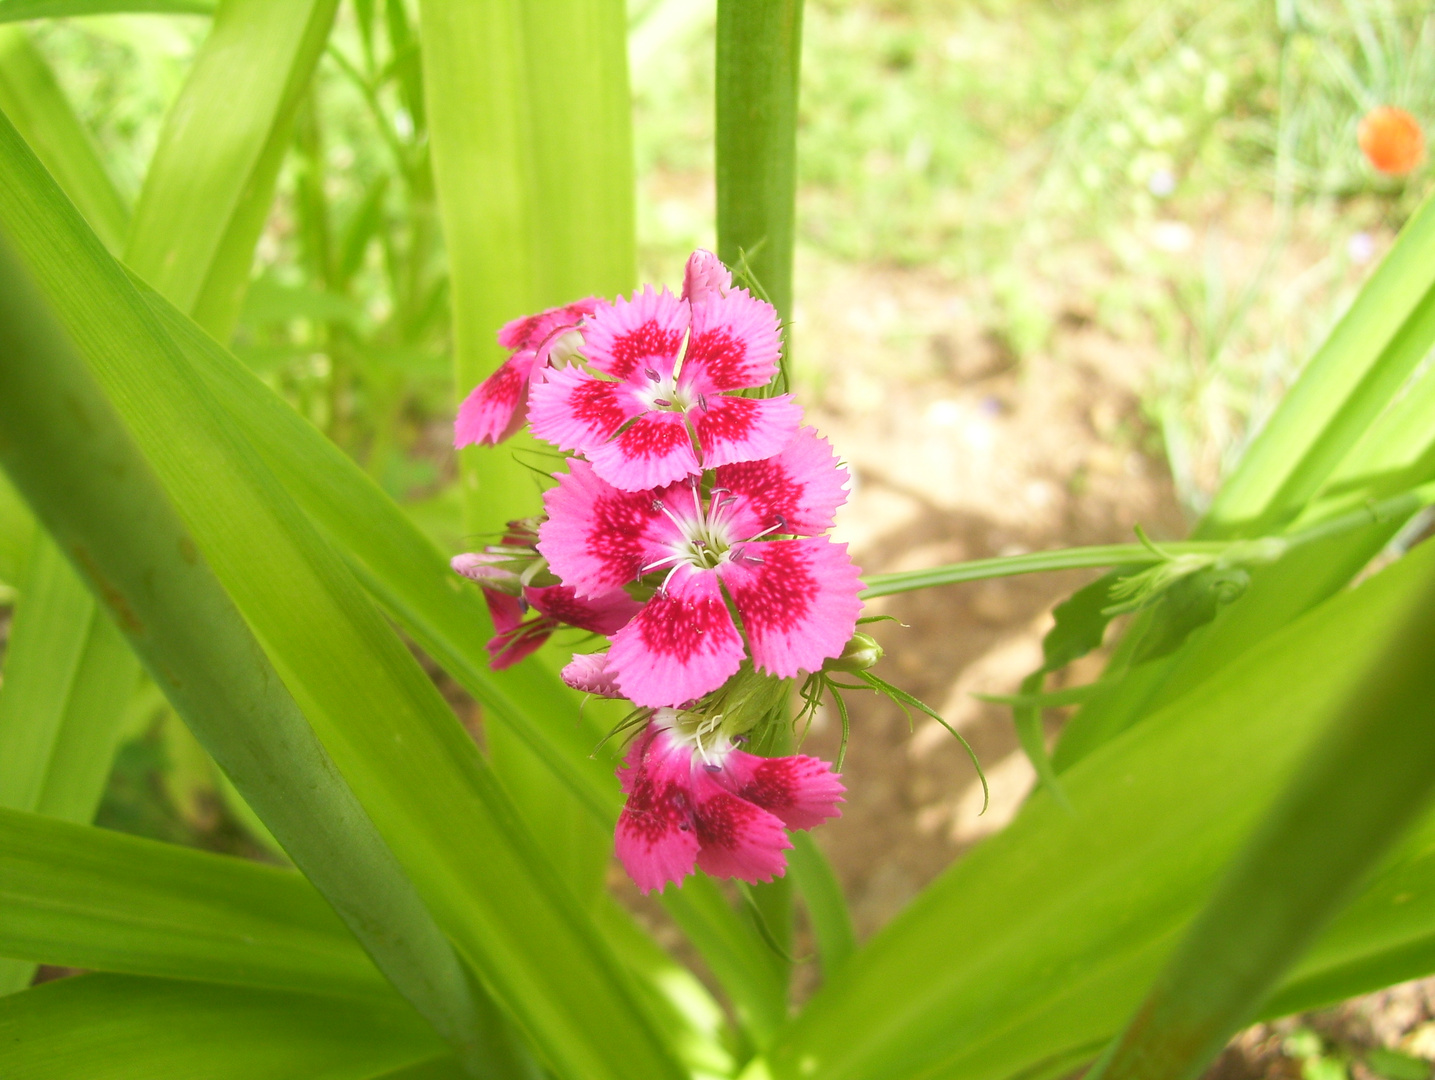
(1056, 261)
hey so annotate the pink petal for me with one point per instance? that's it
(796, 491)
(681, 645)
(798, 601)
(803, 791)
(577, 411)
(655, 450)
(595, 538)
(655, 839)
(484, 566)
(629, 337)
(745, 429)
(591, 674)
(705, 277)
(511, 646)
(505, 610)
(737, 838)
(606, 613)
(735, 343)
(494, 410)
(527, 332)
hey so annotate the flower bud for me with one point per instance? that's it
(859, 654)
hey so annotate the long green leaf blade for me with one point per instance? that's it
(67, 450)
(211, 180)
(1357, 791)
(391, 733)
(14, 10)
(83, 897)
(32, 98)
(1323, 414)
(115, 1027)
(68, 678)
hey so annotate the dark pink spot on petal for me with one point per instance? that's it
(494, 410)
(680, 646)
(735, 429)
(798, 601)
(803, 791)
(606, 613)
(736, 838)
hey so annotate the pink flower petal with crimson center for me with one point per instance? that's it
(735, 429)
(803, 791)
(527, 332)
(736, 838)
(705, 277)
(627, 338)
(577, 411)
(596, 537)
(735, 343)
(655, 450)
(655, 839)
(681, 645)
(796, 491)
(590, 673)
(797, 598)
(495, 409)
(606, 613)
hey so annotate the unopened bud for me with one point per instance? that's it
(859, 654)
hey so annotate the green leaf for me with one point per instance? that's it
(826, 907)
(1040, 941)
(411, 763)
(759, 53)
(68, 677)
(32, 99)
(116, 1027)
(1342, 388)
(1035, 562)
(211, 180)
(14, 10)
(68, 451)
(16, 529)
(1358, 789)
(78, 896)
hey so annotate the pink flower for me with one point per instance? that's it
(662, 409)
(797, 598)
(557, 606)
(592, 674)
(696, 801)
(497, 407)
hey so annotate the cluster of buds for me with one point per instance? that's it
(689, 531)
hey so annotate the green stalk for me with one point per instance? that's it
(67, 451)
(1354, 795)
(759, 54)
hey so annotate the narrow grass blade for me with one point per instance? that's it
(1041, 941)
(69, 453)
(1337, 394)
(1035, 562)
(13, 10)
(211, 180)
(759, 54)
(32, 98)
(826, 907)
(1356, 792)
(117, 1027)
(414, 767)
(68, 677)
(83, 897)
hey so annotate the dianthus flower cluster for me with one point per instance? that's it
(689, 530)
